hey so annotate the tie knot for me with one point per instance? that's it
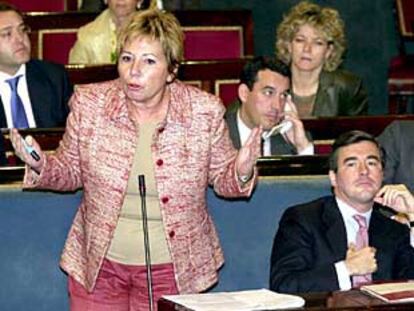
(13, 82)
(361, 220)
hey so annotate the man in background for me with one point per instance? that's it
(34, 93)
(398, 141)
(342, 241)
(264, 101)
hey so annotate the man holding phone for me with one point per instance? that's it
(264, 101)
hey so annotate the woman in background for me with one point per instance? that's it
(311, 39)
(97, 41)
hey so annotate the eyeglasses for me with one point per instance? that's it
(7, 33)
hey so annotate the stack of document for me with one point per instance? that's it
(249, 300)
(396, 292)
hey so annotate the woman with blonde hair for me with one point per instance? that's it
(311, 40)
(97, 41)
(148, 123)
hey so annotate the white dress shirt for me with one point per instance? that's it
(351, 227)
(22, 90)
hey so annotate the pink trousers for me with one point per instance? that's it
(122, 287)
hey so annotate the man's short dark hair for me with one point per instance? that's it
(350, 138)
(5, 7)
(250, 71)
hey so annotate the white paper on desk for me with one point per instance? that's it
(248, 300)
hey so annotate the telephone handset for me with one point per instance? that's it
(281, 128)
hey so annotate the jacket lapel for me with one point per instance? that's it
(3, 121)
(378, 233)
(39, 100)
(231, 120)
(335, 228)
(326, 101)
(279, 146)
(233, 129)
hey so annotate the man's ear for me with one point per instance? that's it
(332, 178)
(243, 92)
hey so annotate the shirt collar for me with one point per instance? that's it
(348, 211)
(5, 76)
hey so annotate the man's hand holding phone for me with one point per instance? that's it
(295, 132)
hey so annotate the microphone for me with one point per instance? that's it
(141, 185)
(142, 193)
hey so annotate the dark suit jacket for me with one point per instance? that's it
(3, 160)
(340, 93)
(92, 5)
(278, 144)
(49, 91)
(398, 142)
(312, 237)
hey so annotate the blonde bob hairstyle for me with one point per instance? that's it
(325, 20)
(157, 25)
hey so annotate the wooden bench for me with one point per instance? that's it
(332, 127)
(45, 5)
(219, 77)
(209, 34)
(325, 130)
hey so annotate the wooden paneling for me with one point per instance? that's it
(216, 77)
(45, 5)
(211, 34)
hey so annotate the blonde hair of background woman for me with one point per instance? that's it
(324, 19)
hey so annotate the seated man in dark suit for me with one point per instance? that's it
(3, 160)
(264, 101)
(398, 142)
(344, 240)
(33, 93)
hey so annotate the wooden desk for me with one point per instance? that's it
(332, 127)
(267, 166)
(349, 300)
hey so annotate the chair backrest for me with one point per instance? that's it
(219, 77)
(53, 34)
(211, 42)
(227, 90)
(217, 35)
(209, 35)
(45, 5)
(55, 44)
(405, 14)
